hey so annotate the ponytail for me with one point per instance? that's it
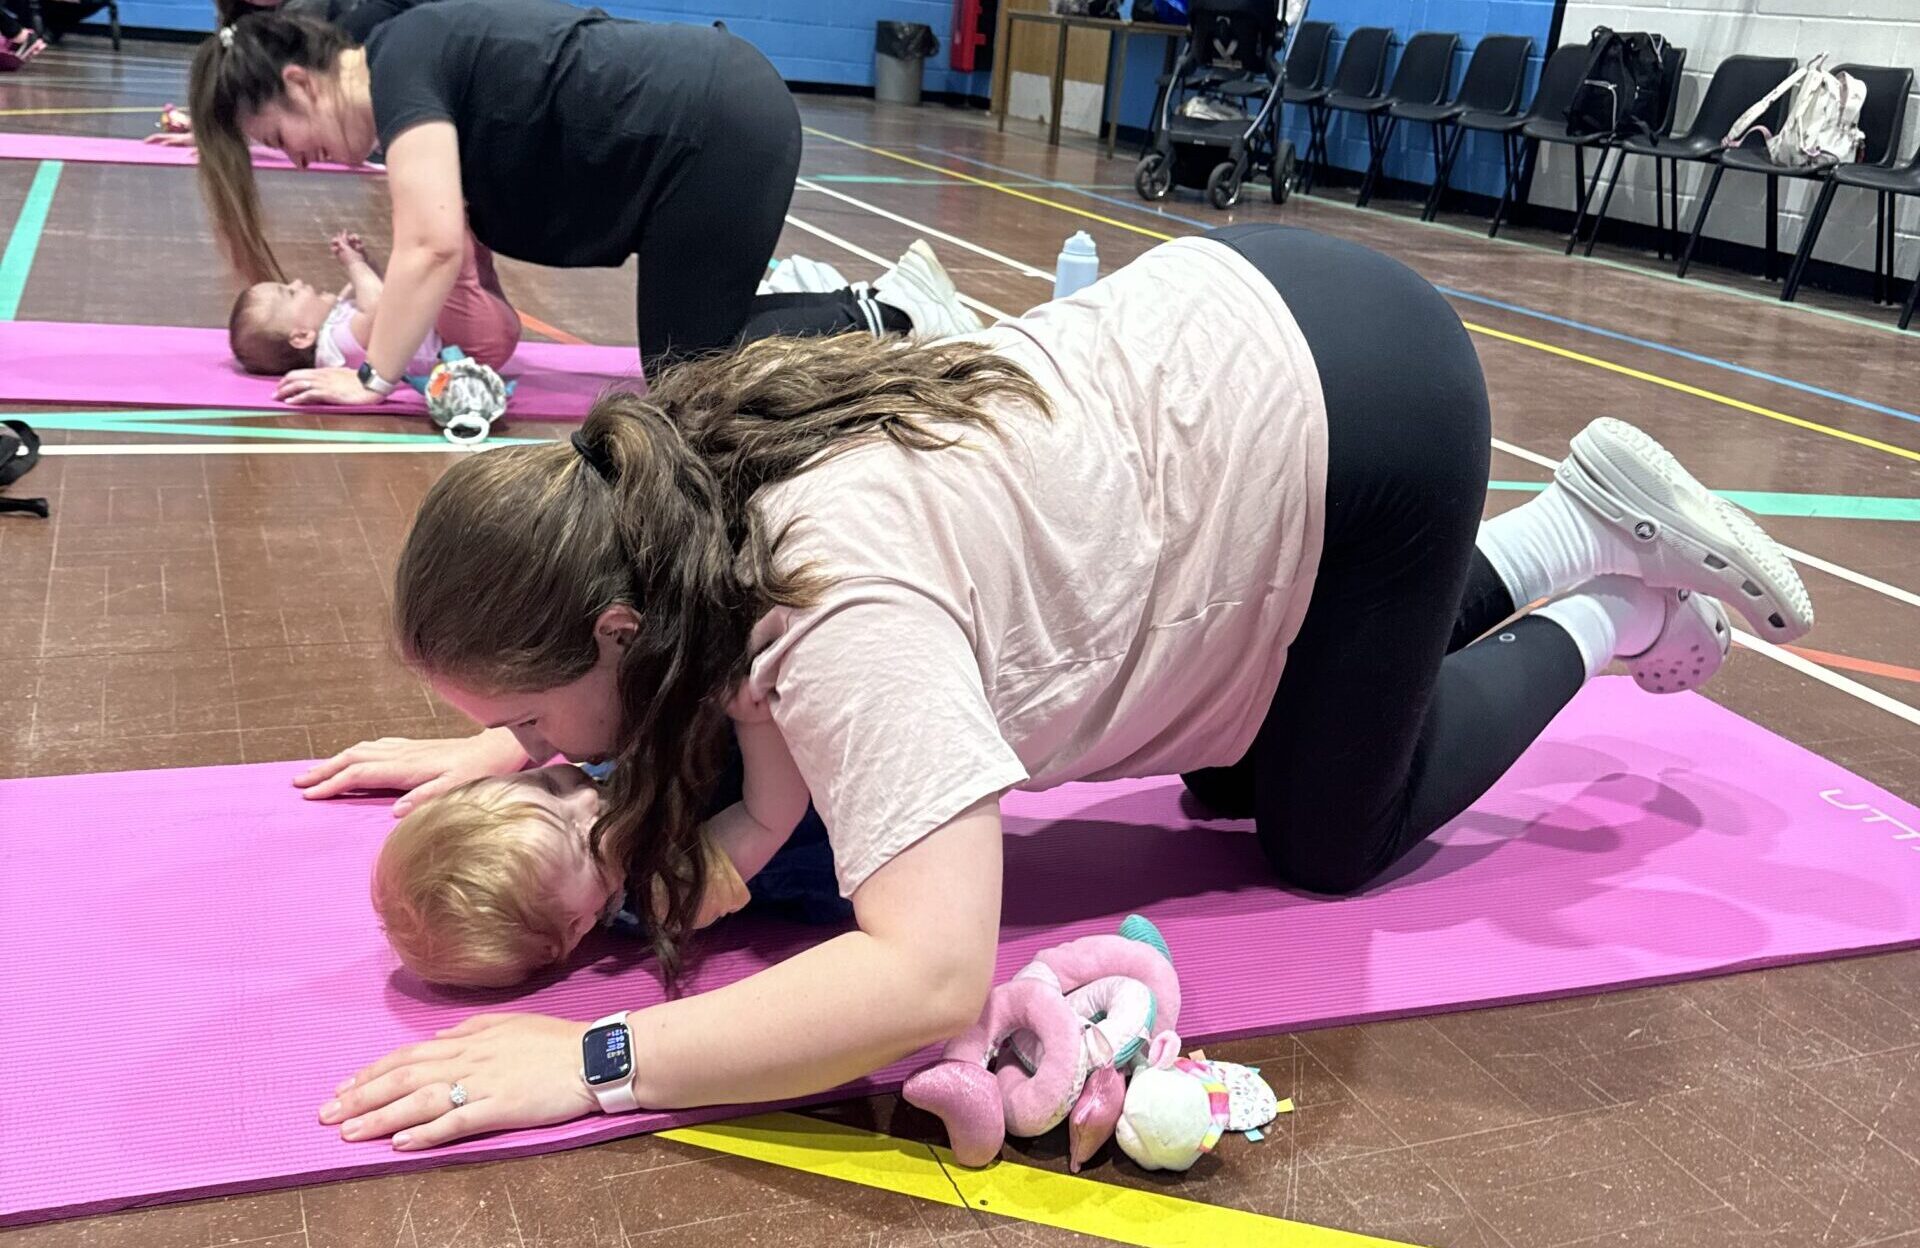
(515, 554)
(235, 73)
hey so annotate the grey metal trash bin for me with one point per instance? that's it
(900, 52)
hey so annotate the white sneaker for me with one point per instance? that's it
(798, 275)
(920, 287)
(1685, 536)
(1692, 645)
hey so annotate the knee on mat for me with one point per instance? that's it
(1321, 876)
(1224, 791)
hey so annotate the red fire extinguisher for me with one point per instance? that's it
(971, 46)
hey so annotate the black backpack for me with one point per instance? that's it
(19, 451)
(1621, 93)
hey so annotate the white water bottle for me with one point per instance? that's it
(1079, 265)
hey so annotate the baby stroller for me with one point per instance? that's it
(1219, 118)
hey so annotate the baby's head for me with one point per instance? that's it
(274, 325)
(493, 881)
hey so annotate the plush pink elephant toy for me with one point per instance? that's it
(1070, 1022)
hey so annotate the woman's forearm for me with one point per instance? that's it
(416, 285)
(836, 1012)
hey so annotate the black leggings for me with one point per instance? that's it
(1387, 723)
(707, 242)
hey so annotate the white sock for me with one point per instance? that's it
(1608, 618)
(1551, 544)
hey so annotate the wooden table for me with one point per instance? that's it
(1119, 34)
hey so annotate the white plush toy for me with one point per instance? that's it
(1178, 1108)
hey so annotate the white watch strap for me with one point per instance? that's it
(378, 384)
(617, 1098)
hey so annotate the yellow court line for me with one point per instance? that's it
(1518, 339)
(74, 112)
(1681, 386)
(1148, 1219)
(994, 186)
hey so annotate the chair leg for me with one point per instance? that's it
(1316, 146)
(1600, 218)
(1526, 152)
(1442, 143)
(1700, 220)
(113, 19)
(1512, 153)
(1808, 238)
(1379, 134)
(1879, 247)
(1673, 204)
(1584, 189)
(1659, 204)
(1773, 224)
(1913, 297)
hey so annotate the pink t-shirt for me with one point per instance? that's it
(1110, 593)
(336, 347)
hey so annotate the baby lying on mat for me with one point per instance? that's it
(277, 327)
(493, 882)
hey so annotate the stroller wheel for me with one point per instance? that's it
(1284, 171)
(1223, 184)
(1153, 176)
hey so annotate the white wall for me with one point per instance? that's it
(1871, 32)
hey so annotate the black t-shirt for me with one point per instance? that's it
(572, 124)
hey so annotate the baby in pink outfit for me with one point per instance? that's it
(277, 327)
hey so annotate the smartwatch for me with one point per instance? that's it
(374, 381)
(606, 1063)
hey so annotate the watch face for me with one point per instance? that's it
(608, 1053)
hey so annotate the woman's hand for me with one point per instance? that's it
(517, 1070)
(425, 768)
(167, 139)
(338, 387)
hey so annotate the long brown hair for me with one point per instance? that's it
(516, 552)
(235, 73)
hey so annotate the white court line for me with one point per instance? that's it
(1799, 556)
(882, 261)
(928, 230)
(1806, 667)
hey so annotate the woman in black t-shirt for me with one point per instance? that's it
(563, 137)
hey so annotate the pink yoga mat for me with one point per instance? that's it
(95, 150)
(172, 366)
(200, 940)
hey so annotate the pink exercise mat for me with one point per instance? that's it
(173, 366)
(96, 150)
(202, 939)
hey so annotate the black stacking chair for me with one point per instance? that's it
(1558, 79)
(1750, 155)
(1422, 77)
(1736, 84)
(1495, 77)
(1362, 70)
(1888, 184)
(1672, 62)
(1882, 122)
(1305, 79)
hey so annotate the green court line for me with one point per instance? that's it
(1801, 506)
(17, 261)
(112, 419)
(86, 424)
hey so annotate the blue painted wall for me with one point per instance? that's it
(824, 42)
(1411, 157)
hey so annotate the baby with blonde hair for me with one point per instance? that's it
(494, 881)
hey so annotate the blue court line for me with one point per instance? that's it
(1648, 344)
(17, 262)
(86, 423)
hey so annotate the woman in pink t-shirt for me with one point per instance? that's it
(1218, 514)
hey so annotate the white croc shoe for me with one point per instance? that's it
(1685, 536)
(1692, 645)
(920, 287)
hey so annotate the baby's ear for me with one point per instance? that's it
(301, 339)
